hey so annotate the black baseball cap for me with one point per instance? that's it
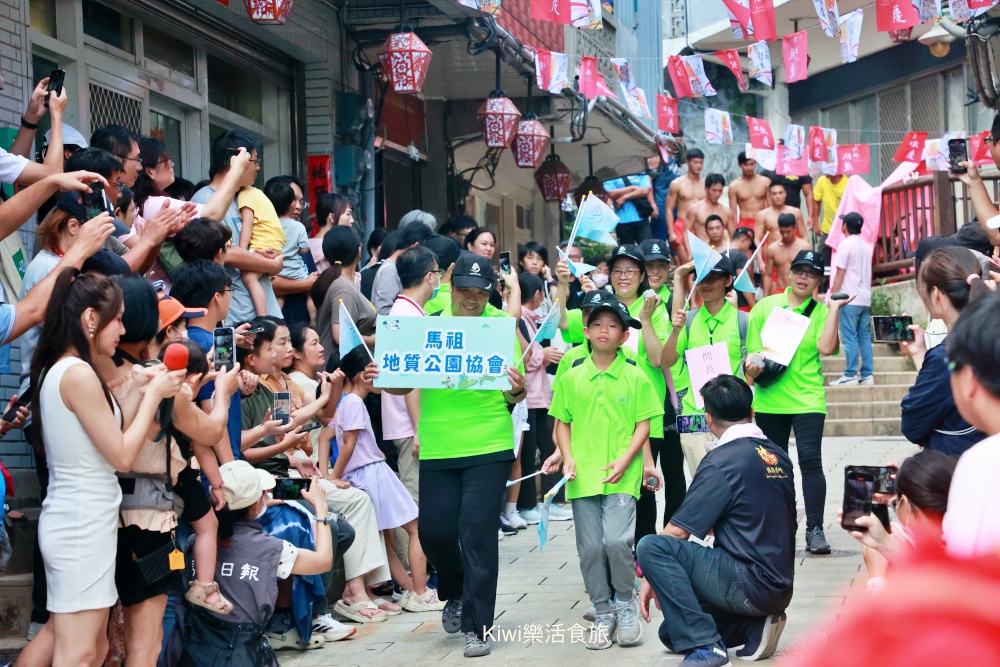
(749, 233)
(972, 236)
(724, 267)
(473, 271)
(654, 249)
(853, 220)
(72, 202)
(928, 244)
(600, 301)
(630, 251)
(810, 259)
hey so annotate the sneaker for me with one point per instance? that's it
(500, 535)
(532, 516)
(506, 527)
(451, 616)
(290, 639)
(707, 656)
(560, 513)
(514, 518)
(816, 541)
(868, 380)
(602, 633)
(427, 602)
(762, 641)
(476, 647)
(590, 614)
(844, 381)
(397, 592)
(33, 629)
(629, 628)
(332, 630)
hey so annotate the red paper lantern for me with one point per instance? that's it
(900, 36)
(553, 178)
(498, 118)
(269, 12)
(405, 60)
(530, 142)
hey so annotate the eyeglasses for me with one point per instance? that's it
(440, 272)
(624, 273)
(952, 365)
(165, 159)
(133, 159)
(230, 289)
(576, 258)
(989, 140)
(807, 273)
(258, 161)
(303, 203)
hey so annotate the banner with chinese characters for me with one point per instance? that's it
(320, 181)
(444, 352)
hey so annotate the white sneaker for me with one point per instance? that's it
(515, 519)
(868, 380)
(33, 629)
(331, 630)
(560, 513)
(427, 602)
(844, 381)
(499, 535)
(530, 516)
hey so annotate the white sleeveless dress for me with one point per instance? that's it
(78, 527)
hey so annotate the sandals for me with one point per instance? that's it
(353, 612)
(390, 608)
(198, 595)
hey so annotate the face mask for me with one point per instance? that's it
(600, 280)
(434, 291)
(184, 334)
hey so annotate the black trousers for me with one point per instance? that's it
(633, 232)
(671, 463)
(458, 531)
(39, 593)
(537, 445)
(809, 443)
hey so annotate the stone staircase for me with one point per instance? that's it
(870, 410)
(15, 583)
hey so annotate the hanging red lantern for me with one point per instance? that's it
(553, 178)
(498, 118)
(269, 12)
(405, 60)
(529, 144)
(900, 36)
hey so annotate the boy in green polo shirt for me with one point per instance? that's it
(603, 405)
(716, 321)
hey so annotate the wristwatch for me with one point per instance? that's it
(516, 394)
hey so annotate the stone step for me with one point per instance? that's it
(862, 427)
(863, 410)
(881, 377)
(882, 364)
(11, 647)
(867, 393)
(15, 605)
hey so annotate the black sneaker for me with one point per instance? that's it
(507, 527)
(816, 541)
(451, 616)
(476, 647)
(762, 641)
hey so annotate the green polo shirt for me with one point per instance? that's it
(460, 423)
(442, 304)
(580, 352)
(800, 388)
(664, 293)
(602, 409)
(723, 327)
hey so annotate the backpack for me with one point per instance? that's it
(743, 321)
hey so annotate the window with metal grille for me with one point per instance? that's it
(110, 106)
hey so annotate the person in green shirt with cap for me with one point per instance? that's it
(715, 321)
(796, 400)
(603, 406)
(466, 451)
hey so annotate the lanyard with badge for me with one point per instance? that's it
(703, 364)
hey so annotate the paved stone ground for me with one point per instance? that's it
(547, 589)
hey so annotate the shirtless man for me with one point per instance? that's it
(683, 192)
(699, 213)
(767, 220)
(716, 230)
(747, 194)
(779, 255)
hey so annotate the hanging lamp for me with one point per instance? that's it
(268, 12)
(553, 177)
(530, 138)
(405, 58)
(590, 183)
(498, 116)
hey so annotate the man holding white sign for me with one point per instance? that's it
(788, 333)
(465, 435)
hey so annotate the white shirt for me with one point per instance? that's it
(854, 260)
(11, 166)
(972, 524)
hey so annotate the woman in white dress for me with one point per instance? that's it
(79, 425)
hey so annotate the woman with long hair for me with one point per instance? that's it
(79, 425)
(947, 280)
(332, 210)
(342, 249)
(481, 241)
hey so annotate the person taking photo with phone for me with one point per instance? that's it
(982, 202)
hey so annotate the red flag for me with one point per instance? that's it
(760, 133)
(979, 150)
(853, 159)
(666, 114)
(741, 13)
(895, 15)
(981, 4)
(795, 49)
(588, 77)
(547, 10)
(762, 14)
(789, 166)
(816, 145)
(602, 87)
(731, 59)
(679, 76)
(912, 148)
